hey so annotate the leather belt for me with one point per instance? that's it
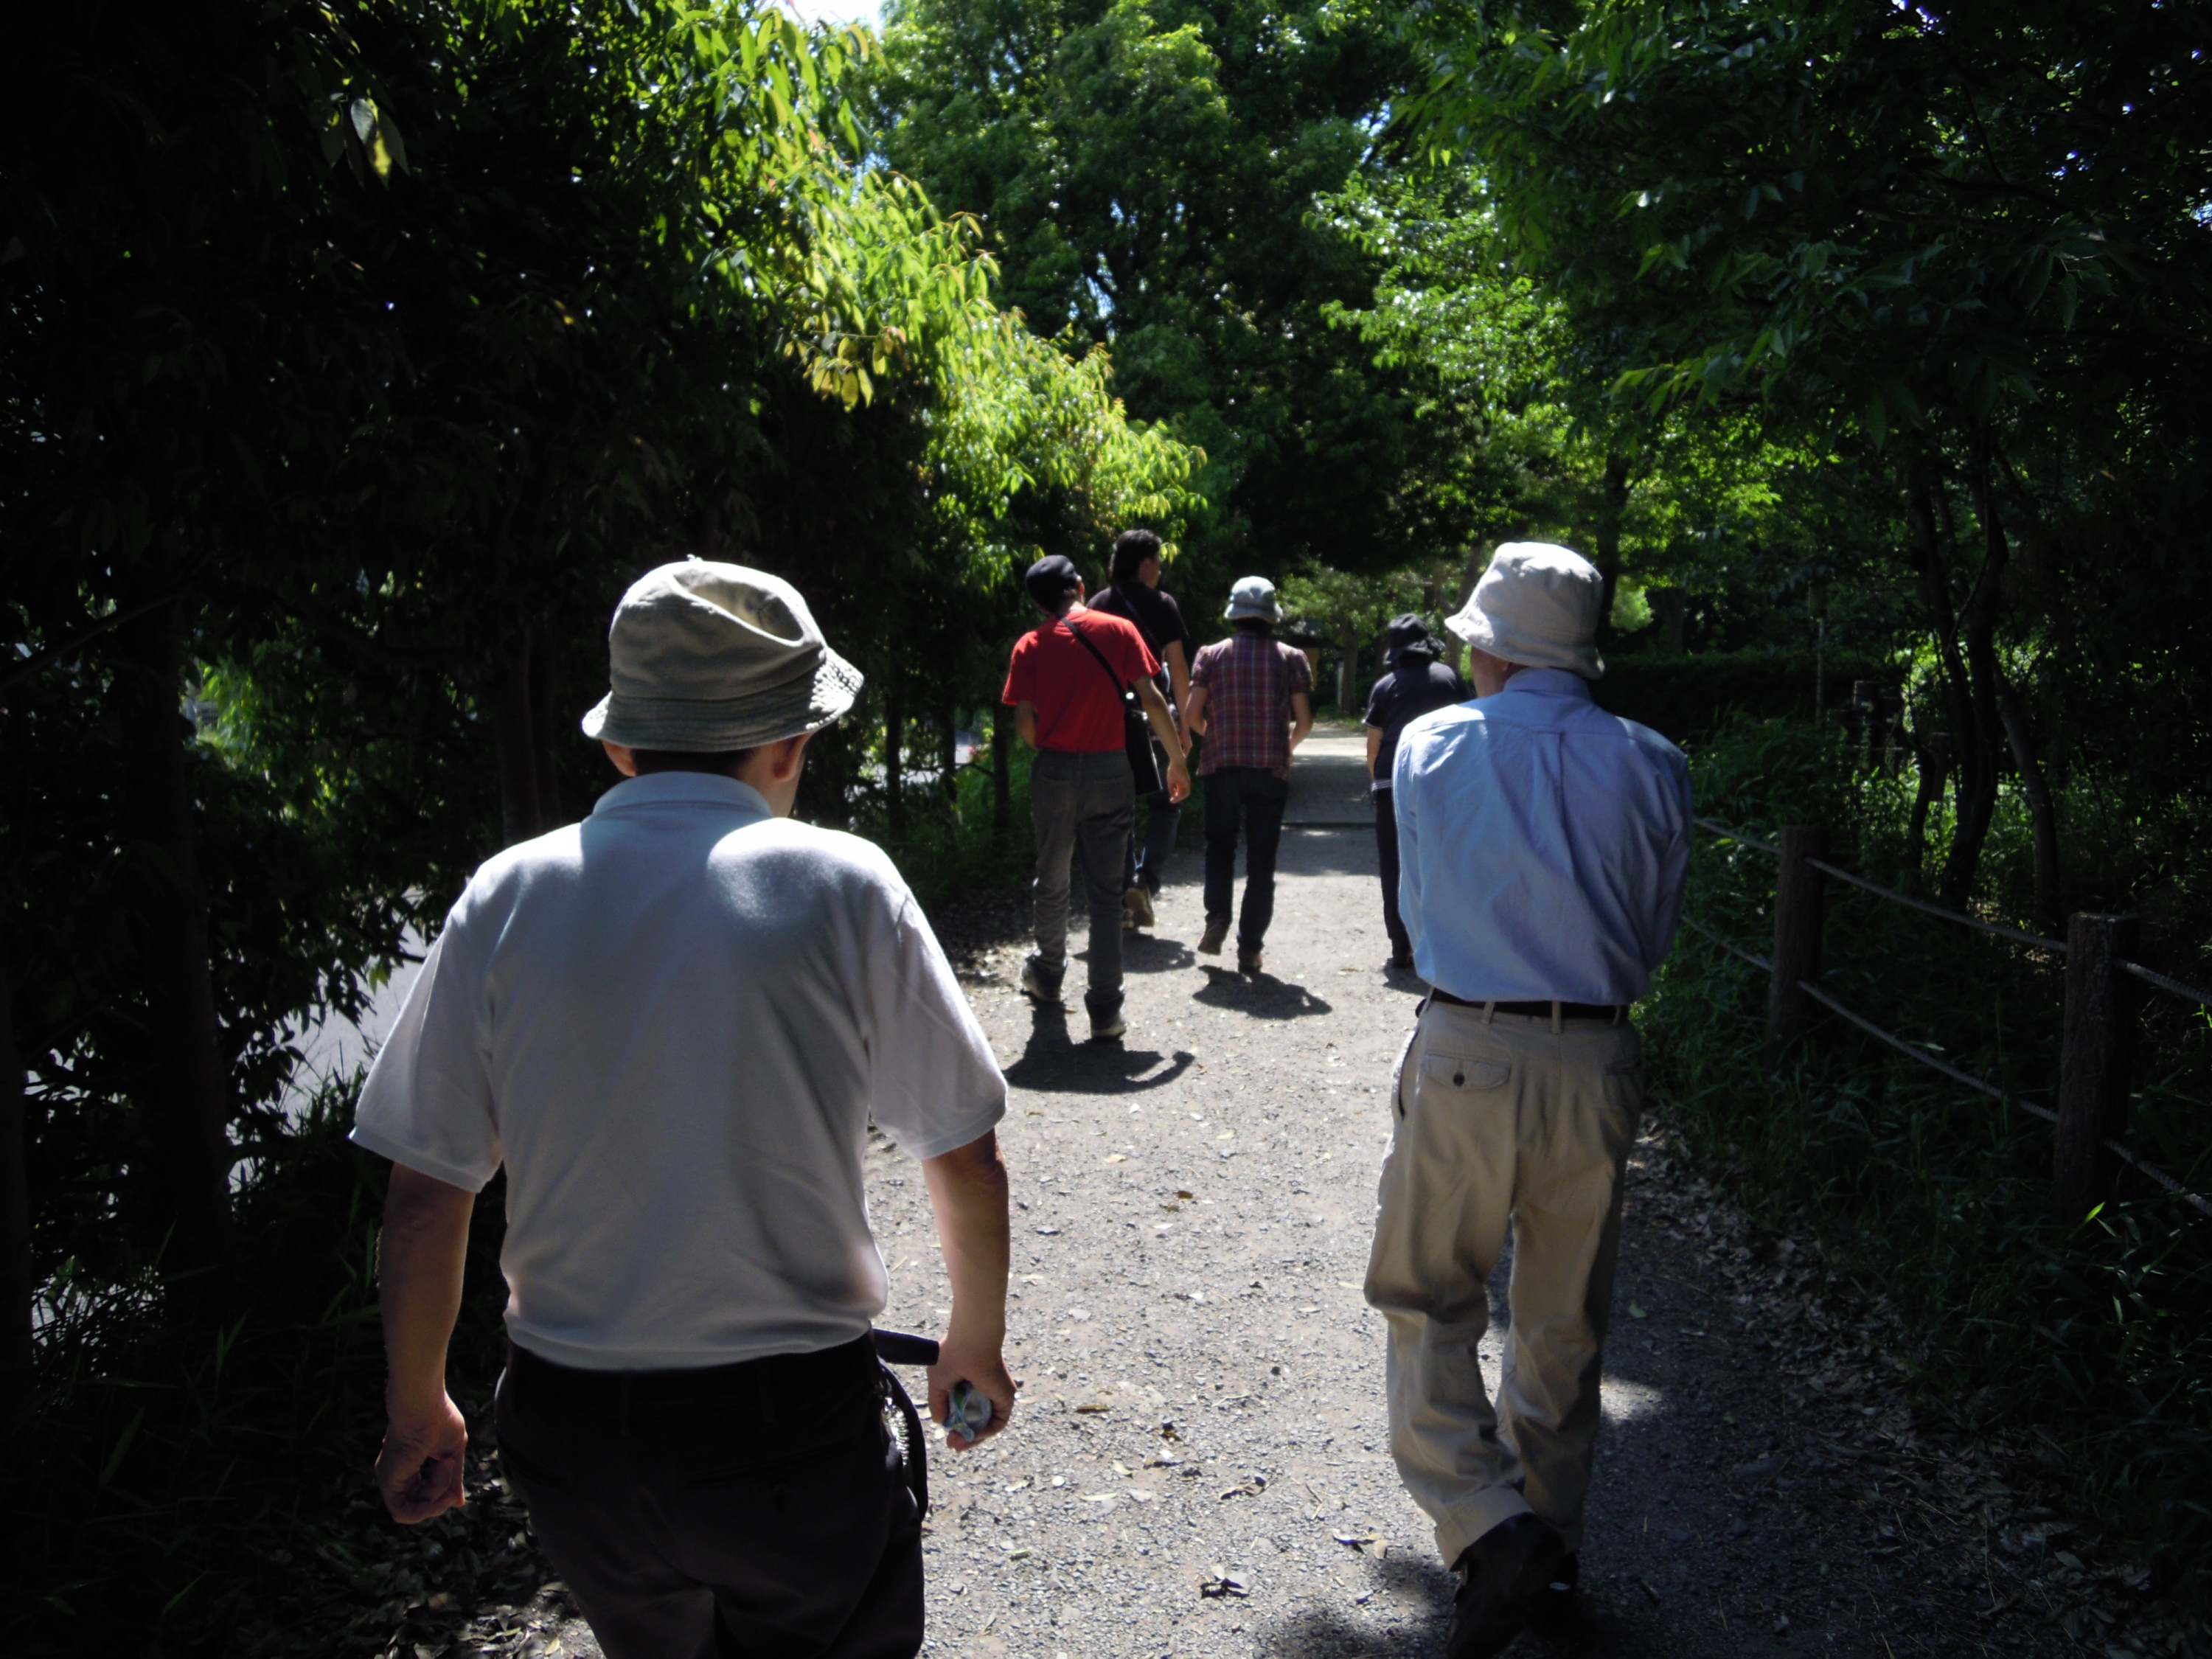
(1612, 1013)
(788, 1376)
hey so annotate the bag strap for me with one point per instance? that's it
(1097, 656)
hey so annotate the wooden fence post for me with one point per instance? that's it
(1798, 894)
(2096, 1054)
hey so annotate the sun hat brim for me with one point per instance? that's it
(695, 725)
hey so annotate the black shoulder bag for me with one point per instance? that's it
(1136, 728)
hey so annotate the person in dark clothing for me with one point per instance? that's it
(1416, 684)
(1133, 594)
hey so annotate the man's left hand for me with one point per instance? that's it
(420, 1466)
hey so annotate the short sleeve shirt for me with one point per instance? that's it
(1417, 685)
(1077, 701)
(1156, 614)
(671, 1024)
(1249, 679)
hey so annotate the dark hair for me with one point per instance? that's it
(724, 761)
(1131, 548)
(1252, 625)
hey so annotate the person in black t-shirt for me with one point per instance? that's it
(1134, 593)
(1416, 684)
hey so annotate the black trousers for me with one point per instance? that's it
(1252, 799)
(1386, 855)
(754, 1511)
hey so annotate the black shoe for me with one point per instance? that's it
(1399, 963)
(1503, 1571)
(1553, 1608)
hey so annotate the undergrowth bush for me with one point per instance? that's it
(2088, 1339)
(175, 1478)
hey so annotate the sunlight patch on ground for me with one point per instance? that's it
(1625, 1402)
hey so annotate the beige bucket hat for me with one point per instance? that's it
(1538, 605)
(709, 657)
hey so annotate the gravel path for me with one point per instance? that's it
(1198, 1464)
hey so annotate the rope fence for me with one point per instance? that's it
(2099, 1031)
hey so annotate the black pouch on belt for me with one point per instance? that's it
(901, 1348)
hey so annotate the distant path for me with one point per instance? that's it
(1329, 783)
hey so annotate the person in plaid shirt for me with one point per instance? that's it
(1251, 696)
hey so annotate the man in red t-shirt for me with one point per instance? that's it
(1065, 683)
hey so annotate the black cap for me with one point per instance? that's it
(1407, 632)
(1051, 580)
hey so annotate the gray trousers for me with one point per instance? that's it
(1082, 806)
(1502, 1120)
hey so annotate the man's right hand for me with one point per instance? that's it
(419, 1467)
(1178, 783)
(982, 1364)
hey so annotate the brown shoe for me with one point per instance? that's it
(1247, 962)
(1217, 930)
(1137, 906)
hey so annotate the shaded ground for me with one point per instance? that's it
(1202, 1393)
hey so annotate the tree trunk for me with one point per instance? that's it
(514, 732)
(544, 723)
(2042, 811)
(15, 1285)
(1671, 605)
(1965, 645)
(948, 755)
(894, 748)
(1612, 509)
(1002, 773)
(186, 1097)
(1347, 667)
(1933, 756)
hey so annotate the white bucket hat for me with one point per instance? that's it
(1538, 605)
(708, 656)
(1253, 596)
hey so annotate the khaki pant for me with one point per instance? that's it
(1498, 1119)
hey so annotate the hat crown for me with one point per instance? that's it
(1252, 596)
(705, 657)
(1537, 604)
(703, 629)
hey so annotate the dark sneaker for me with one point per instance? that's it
(1039, 986)
(1217, 932)
(1504, 1572)
(1248, 961)
(1137, 904)
(1400, 963)
(1553, 1607)
(1104, 1028)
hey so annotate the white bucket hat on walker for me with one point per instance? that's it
(707, 658)
(1538, 605)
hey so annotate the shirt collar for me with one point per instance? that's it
(1548, 682)
(684, 788)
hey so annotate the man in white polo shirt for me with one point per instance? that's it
(672, 1024)
(1542, 847)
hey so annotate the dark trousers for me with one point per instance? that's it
(1081, 806)
(1162, 818)
(1250, 798)
(1386, 854)
(755, 1511)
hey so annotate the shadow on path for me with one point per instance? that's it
(1261, 995)
(1053, 1060)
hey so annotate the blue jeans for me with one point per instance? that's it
(1162, 818)
(1249, 798)
(1081, 806)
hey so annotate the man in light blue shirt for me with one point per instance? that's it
(1542, 846)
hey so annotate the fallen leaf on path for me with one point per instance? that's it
(1635, 1312)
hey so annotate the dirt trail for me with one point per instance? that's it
(1203, 1385)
